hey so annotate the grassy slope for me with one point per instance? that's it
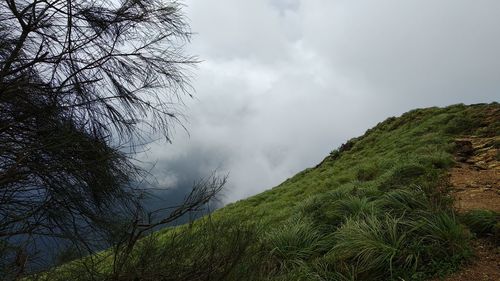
(410, 152)
(374, 209)
(420, 136)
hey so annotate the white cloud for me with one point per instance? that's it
(284, 82)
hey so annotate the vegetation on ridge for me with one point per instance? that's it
(377, 208)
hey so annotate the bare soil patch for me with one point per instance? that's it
(475, 183)
(475, 180)
(485, 266)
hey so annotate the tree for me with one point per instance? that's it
(82, 84)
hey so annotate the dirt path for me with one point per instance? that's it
(475, 184)
(476, 179)
(485, 266)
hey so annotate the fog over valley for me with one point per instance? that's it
(281, 83)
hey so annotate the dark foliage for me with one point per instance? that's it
(81, 85)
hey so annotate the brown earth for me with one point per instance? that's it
(485, 266)
(475, 183)
(475, 180)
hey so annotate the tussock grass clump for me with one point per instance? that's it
(438, 159)
(368, 172)
(404, 174)
(334, 207)
(398, 234)
(350, 207)
(481, 222)
(462, 125)
(322, 270)
(388, 247)
(404, 200)
(295, 242)
(375, 245)
(443, 234)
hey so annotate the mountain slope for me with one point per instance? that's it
(378, 208)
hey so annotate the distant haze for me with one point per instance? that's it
(283, 82)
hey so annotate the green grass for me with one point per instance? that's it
(376, 246)
(482, 222)
(294, 243)
(376, 208)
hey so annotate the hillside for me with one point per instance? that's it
(408, 200)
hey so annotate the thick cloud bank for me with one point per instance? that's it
(283, 82)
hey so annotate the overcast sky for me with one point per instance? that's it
(284, 82)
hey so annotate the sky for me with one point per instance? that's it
(284, 82)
